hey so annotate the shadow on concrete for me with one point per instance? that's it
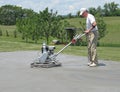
(101, 64)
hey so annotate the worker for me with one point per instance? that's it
(92, 36)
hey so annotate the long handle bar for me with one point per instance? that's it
(76, 37)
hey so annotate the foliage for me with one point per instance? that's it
(93, 10)
(49, 22)
(43, 25)
(111, 9)
(61, 33)
(101, 26)
(111, 39)
(9, 13)
(26, 25)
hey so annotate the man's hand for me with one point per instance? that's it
(73, 41)
(87, 31)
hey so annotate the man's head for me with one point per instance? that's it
(83, 12)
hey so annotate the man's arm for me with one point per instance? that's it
(93, 26)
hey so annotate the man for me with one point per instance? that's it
(92, 36)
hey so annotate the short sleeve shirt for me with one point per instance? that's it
(89, 21)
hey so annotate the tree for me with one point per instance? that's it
(61, 32)
(117, 12)
(49, 22)
(100, 11)
(36, 28)
(26, 24)
(110, 9)
(106, 10)
(92, 10)
(9, 13)
(78, 14)
(101, 26)
(44, 25)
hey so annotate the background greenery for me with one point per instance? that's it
(109, 49)
(10, 13)
(113, 26)
(11, 39)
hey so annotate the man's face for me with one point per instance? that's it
(84, 14)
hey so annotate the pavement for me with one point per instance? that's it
(74, 75)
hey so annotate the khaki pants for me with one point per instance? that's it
(92, 39)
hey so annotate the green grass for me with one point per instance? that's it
(109, 51)
(105, 53)
(13, 44)
(7, 46)
(113, 36)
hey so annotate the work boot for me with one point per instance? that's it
(93, 65)
(89, 63)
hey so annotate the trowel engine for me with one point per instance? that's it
(47, 52)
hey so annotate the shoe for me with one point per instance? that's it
(89, 63)
(93, 65)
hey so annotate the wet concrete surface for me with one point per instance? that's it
(73, 76)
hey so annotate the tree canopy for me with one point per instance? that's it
(9, 13)
(46, 23)
(43, 25)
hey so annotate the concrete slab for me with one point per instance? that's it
(73, 76)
